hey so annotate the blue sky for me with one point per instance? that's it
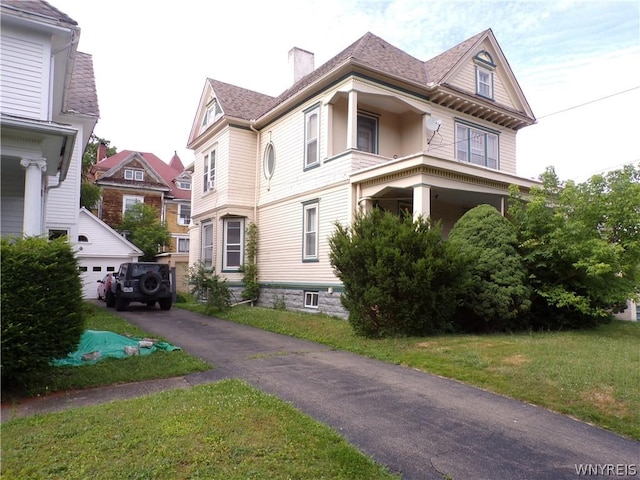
(151, 60)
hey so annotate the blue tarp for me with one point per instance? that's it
(96, 345)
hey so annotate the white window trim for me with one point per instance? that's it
(133, 174)
(225, 245)
(479, 83)
(181, 221)
(137, 198)
(182, 238)
(309, 297)
(209, 170)
(308, 139)
(205, 246)
(472, 131)
(306, 231)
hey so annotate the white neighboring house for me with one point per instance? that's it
(100, 250)
(49, 108)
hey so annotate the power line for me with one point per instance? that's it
(589, 102)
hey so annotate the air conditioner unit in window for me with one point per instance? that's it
(211, 185)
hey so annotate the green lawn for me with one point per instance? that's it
(592, 375)
(226, 430)
(160, 364)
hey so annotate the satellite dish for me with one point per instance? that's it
(433, 124)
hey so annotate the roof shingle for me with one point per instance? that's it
(39, 8)
(83, 97)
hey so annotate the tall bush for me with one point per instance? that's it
(42, 307)
(581, 246)
(207, 286)
(497, 293)
(399, 276)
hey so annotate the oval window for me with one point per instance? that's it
(269, 161)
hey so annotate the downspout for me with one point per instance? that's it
(257, 183)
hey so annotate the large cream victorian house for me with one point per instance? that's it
(372, 127)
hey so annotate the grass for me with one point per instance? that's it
(592, 375)
(110, 371)
(226, 430)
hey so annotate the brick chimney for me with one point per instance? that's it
(102, 152)
(300, 63)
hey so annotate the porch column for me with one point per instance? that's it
(503, 205)
(352, 120)
(32, 218)
(421, 201)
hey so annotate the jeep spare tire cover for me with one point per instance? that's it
(150, 283)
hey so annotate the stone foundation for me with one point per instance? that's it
(293, 299)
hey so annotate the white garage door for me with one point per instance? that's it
(93, 269)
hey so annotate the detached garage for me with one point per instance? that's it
(100, 250)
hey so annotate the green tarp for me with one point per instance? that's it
(96, 345)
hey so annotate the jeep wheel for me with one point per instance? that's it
(110, 299)
(165, 303)
(149, 283)
(121, 303)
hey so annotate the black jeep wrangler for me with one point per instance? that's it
(143, 282)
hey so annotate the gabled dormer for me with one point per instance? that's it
(131, 171)
(222, 103)
(475, 78)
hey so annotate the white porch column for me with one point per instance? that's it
(352, 120)
(32, 218)
(421, 201)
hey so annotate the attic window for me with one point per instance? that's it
(182, 185)
(213, 113)
(484, 74)
(130, 174)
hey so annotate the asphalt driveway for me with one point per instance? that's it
(419, 425)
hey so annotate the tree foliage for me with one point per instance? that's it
(141, 225)
(581, 246)
(399, 276)
(207, 286)
(89, 192)
(496, 294)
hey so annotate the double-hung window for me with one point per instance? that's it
(367, 133)
(485, 67)
(206, 235)
(182, 244)
(129, 201)
(311, 134)
(209, 171)
(477, 146)
(132, 174)
(233, 245)
(310, 231)
(184, 214)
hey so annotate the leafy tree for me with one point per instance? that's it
(89, 192)
(581, 246)
(399, 276)
(142, 227)
(496, 293)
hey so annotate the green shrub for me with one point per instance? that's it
(42, 307)
(496, 294)
(399, 276)
(251, 289)
(207, 286)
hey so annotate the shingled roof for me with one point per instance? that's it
(38, 8)
(440, 65)
(83, 97)
(240, 102)
(168, 172)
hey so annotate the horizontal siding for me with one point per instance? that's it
(63, 203)
(280, 238)
(241, 167)
(443, 143)
(203, 202)
(24, 63)
(12, 205)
